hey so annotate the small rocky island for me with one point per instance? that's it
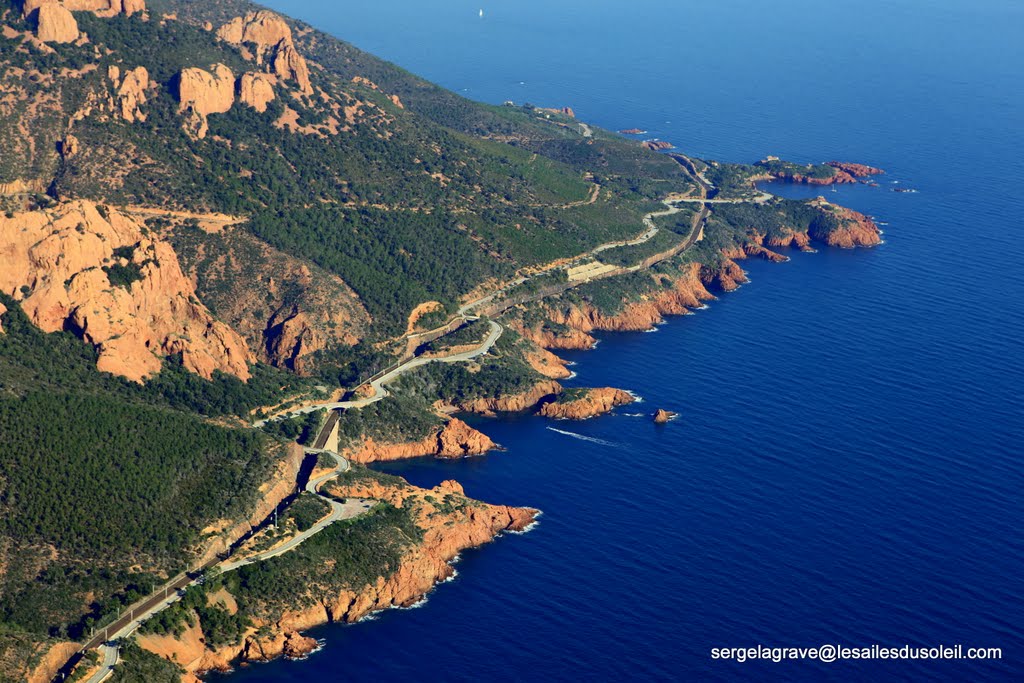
(663, 416)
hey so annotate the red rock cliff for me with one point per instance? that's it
(856, 170)
(686, 292)
(59, 264)
(273, 43)
(55, 24)
(103, 8)
(203, 92)
(854, 230)
(455, 439)
(593, 402)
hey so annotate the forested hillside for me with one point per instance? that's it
(405, 191)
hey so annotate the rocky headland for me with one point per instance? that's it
(855, 170)
(454, 439)
(449, 522)
(585, 403)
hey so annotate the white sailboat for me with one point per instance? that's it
(481, 14)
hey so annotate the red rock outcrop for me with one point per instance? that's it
(591, 403)
(511, 403)
(285, 308)
(839, 178)
(855, 229)
(103, 8)
(203, 93)
(856, 170)
(563, 111)
(657, 145)
(287, 63)
(69, 146)
(455, 439)
(288, 644)
(663, 416)
(262, 28)
(3, 309)
(686, 292)
(55, 24)
(130, 92)
(795, 240)
(567, 339)
(256, 90)
(61, 257)
(189, 649)
(275, 48)
(547, 363)
(290, 337)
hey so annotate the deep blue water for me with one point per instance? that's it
(846, 466)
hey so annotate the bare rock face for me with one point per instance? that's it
(688, 291)
(289, 64)
(547, 363)
(854, 229)
(130, 7)
(286, 309)
(274, 45)
(458, 440)
(663, 416)
(657, 145)
(256, 90)
(292, 335)
(455, 439)
(99, 7)
(262, 28)
(289, 644)
(93, 270)
(3, 309)
(44, 664)
(69, 146)
(130, 92)
(55, 24)
(204, 93)
(591, 403)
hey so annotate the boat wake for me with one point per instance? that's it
(582, 437)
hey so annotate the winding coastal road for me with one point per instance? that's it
(106, 641)
(379, 390)
(464, 311)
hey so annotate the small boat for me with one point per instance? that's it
(481, 14)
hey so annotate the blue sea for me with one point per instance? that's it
(846, 467)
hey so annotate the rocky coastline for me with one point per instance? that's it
(451, 523)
